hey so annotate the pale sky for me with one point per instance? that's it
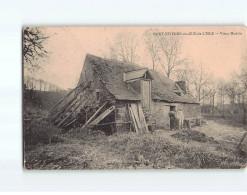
(221, 53)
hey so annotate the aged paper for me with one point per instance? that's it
(135, 97)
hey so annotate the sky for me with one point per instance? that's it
(220, 52)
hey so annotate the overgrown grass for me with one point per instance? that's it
(132, 151)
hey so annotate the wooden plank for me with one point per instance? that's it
(92, 117)
(65, 107)
(103, 115)
(142, 118)
(130, 118)
(136, 115)
(61, 111)
(58, 118)
(68, 115)
(71, 122)
(66, 97)
(134, 121)
(128, 122)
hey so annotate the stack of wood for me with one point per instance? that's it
(61, 115)
(138, 118)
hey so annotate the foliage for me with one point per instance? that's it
(34, 48)
(38, 131)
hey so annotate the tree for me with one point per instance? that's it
(152, 46)
(213, 90)
(222, 93)
(170, 54)
(185, 74)
(33, 48)
(200, 81)
(243, 78)
(124, 48)
(164, 51)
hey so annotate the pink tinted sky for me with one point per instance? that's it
(221, 53)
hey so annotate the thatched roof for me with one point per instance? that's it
(111, 73)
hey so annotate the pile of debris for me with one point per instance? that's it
(188, 135)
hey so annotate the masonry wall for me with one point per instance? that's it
(158, 113)
(191, 110)
(88, 74)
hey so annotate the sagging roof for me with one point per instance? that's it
(111, 73)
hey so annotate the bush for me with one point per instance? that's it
(39, 131)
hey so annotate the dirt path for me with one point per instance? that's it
(223, 132)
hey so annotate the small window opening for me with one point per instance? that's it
(178, 93)
(173, 108)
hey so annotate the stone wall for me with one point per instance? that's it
(157, 111)
(89, 74)
(191, 110)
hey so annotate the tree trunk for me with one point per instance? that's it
(245, 107)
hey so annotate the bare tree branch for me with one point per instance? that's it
(33, 48)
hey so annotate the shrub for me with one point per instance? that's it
(39, 131)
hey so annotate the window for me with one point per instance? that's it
(172, 108)
(178, 93)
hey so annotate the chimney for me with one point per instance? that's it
(182, 85)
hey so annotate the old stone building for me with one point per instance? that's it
(124, 84)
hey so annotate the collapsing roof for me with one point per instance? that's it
(111, 73)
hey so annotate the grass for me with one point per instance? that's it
(208, 147)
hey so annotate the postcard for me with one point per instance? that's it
(134, 97)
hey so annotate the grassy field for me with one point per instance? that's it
(211, 146)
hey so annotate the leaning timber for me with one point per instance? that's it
(77, 106)
(64, 98)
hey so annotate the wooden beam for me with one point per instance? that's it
(136, 115)
(142, 118)
(68, 115)
(112, 123)
(65, 111)
(103, 115)
(71, 122)
(65, 107)
(92, 117)
(64, 98)
(134, 121)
